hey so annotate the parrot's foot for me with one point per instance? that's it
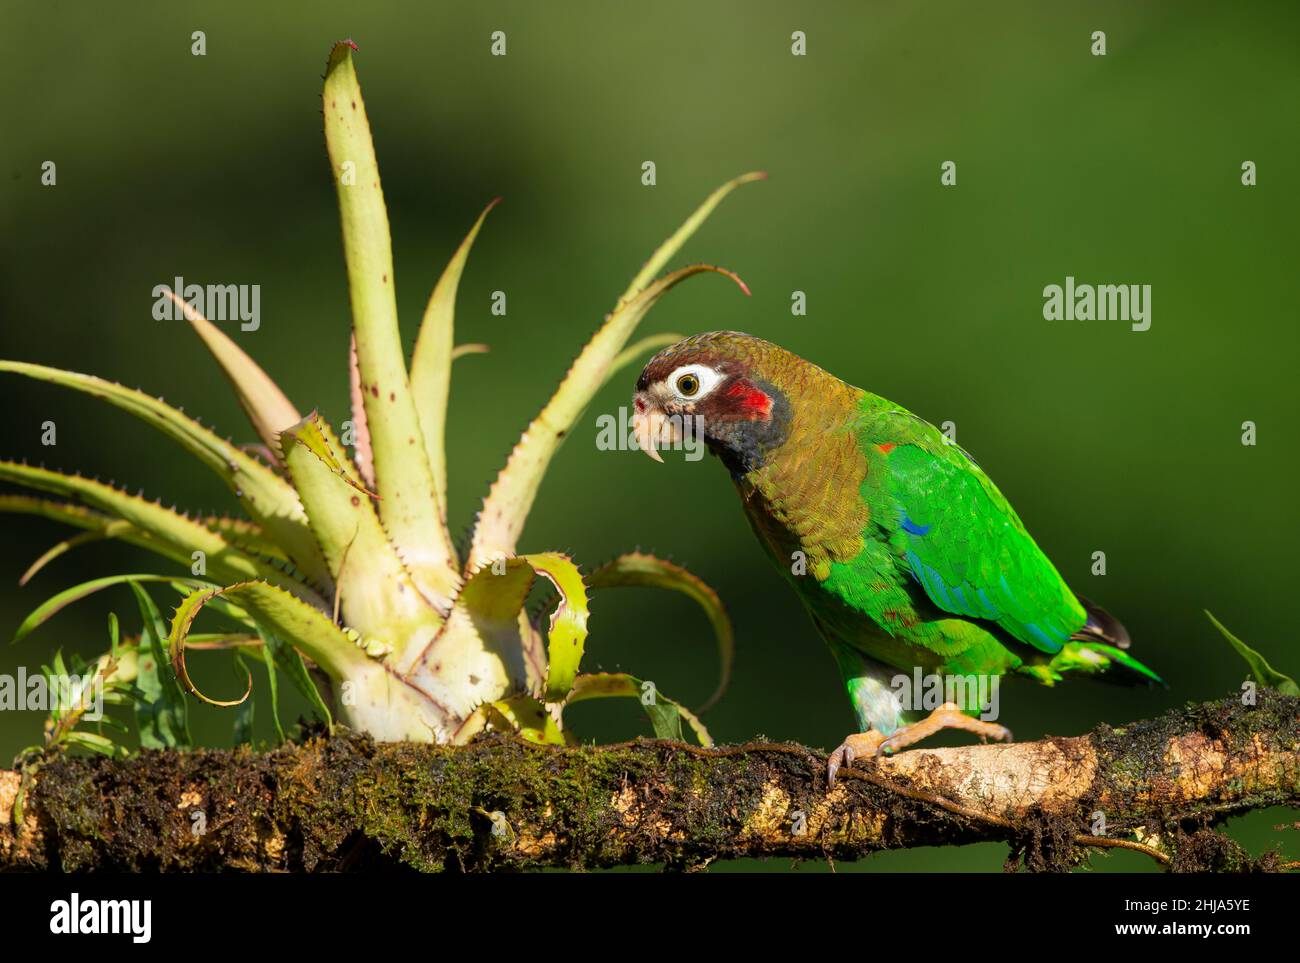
(854, 745)
(873, 743)
(947, 716)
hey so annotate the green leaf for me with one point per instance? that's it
(79, 516)
(278, 613)
(567, 634)
(162, 715)
(409, 506)
(488, 617)
(65, 546)
(1264, 673)
(267, 497)
(665, 714)
(245, 535)
(379, 596)
(666, 251)
(94, 742)
(501, 520)
(291, 664)
(665, 720)
(151, 719)
(639, 568)
(431, 362)
(243, 727)
(52, 606)
(114, 634)
(268, 657)
(522, 713)
(269, 411)
(172, 533)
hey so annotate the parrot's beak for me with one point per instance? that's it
(647, 425)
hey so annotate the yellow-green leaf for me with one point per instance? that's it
(379, 597)
(604, 685)
(485, 633)
(277, 612)
(669, 248)
(267, 497)
(363, 454)
(68, 544)
(52, 606)
(431, 362)
(528, 717)
(461, 350)
(1264, 673)
(269, 411)
(178, 536)
(409, 506)
(639, 568)
(506, 507)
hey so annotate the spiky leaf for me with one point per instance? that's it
(276, 612)
(161, 715)
(379, 597)
(290, 662)
(363, 453)
(52, 606)
(267, 497)
(639, 568)
(269, 411)
(484, 634)
(664, 713)
(431, 362)
(507, 505)
(178, 535)
(669, 248)
(409, 507)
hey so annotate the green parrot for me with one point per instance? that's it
(912, 564)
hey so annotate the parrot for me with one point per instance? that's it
(902, 550)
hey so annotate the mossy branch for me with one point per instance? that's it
(349, 803)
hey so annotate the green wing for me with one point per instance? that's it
(962, 542)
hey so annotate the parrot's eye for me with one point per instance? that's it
(692, 382)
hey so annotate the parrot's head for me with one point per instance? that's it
(722, 387)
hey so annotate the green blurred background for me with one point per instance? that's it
(1123, 169)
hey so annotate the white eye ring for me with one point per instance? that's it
(706, 379)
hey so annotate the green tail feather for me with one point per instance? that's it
(1101, 660)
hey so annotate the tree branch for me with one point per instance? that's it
(348, 803)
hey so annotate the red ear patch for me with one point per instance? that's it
(752, 401)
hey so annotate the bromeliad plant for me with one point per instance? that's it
(346, 559)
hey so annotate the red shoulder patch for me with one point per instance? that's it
(886, 448)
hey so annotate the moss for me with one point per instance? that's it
(349, 803)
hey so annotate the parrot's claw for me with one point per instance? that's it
(854, 745)
(874, 743)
